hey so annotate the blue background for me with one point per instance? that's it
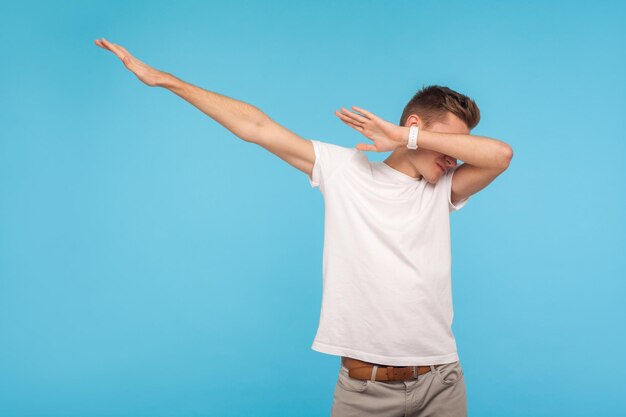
(153, 264)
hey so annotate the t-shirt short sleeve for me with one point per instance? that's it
(329, 158)
(448, 188)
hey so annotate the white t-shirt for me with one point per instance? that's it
(386, 282)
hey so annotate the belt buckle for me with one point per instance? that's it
(393, 373)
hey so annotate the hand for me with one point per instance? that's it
(145, 73)
(386, 136)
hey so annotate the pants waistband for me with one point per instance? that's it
(362, 370)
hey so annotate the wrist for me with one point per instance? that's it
(402, 136)
(166, 80)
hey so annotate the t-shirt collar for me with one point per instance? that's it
(397, 173)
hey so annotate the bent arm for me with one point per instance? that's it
(475, 150)
(484, 159)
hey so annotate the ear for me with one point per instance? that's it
(414, 119)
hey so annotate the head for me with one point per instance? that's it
(438, 109)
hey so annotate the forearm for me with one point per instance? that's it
(240, 118)
(471, 149)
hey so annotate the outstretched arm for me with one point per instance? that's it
(244, 120)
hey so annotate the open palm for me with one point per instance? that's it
(144, 72)
(385, 135)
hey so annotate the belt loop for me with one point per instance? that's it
(414, 372)
(374, 368)
(432, 369)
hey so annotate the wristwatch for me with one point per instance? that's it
(413, 132)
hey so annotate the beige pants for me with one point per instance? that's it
(440, 392)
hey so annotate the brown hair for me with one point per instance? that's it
(431, 103)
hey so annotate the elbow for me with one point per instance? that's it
(505, 156)
(262, 121)
(254, 129)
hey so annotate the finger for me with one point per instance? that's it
(365, 147)
(101, 45)
(347, 119)
(123, 49)
(106, 45)
(353, 115)
(114, 48)
(352, 125)
(365, 112)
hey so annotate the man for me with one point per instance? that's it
(387, 300)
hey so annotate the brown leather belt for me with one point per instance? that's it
(363, 370)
